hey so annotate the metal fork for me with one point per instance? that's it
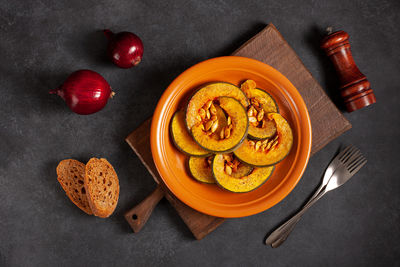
(342, 155)
(348, 162)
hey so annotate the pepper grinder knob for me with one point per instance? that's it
(355, 89)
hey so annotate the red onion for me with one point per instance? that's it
(85, 92)
(125, 49)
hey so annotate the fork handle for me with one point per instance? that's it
(289, 226)
(316, 193)
(286, 228)
(277, 237)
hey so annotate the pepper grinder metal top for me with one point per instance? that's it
(355, 89)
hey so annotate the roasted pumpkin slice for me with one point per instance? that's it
(234, 167)
(182, 138)
(265, 129)
(261, 103)
(200, 101)
(211, 137)
(270, 151)
(220, 116)
(200, 169)
(242, 184)
(241, 170)
(264, 99)
(267, 102)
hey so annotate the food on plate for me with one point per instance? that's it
(216, 134)
(210, 92)
(224, 175)
(261, 103)
(182, 138)
(269, 151)
(200, 169)
(234, 167)
(242, 127)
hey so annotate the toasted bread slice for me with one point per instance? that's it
(71, 176)
(102, 187)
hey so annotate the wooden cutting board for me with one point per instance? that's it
(327, 122)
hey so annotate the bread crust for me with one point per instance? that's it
(70, 175)
(102, 187)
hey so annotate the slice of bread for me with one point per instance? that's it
(102, 187)
(71, 176)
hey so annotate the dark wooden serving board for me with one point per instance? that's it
(200, 224)
(267, 46)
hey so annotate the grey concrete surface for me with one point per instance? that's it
(43, 41)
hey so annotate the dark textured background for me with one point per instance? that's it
(43, 41)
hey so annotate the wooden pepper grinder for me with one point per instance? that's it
(355, 89)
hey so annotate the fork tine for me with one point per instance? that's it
(358, 166)
(346, 151)
(349, 155)
(355, 162)
(356, 155)
(341, 153)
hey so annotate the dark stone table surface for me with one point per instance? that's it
(43, 41)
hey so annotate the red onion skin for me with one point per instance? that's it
(125, 49)
(85, 92)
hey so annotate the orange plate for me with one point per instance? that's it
(210, 199)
